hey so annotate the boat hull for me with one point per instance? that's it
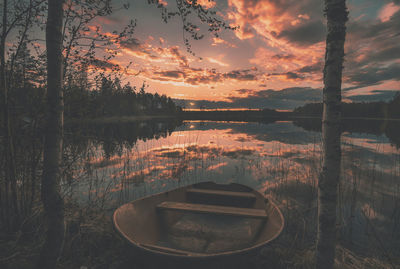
(187, 224)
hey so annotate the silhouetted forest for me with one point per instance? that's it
(378, 110)
(114, 99)
(108, 100)
(372, 118)
(389, 109)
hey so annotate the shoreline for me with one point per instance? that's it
(120, 119)
(238, 116)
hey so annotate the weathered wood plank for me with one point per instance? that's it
(222, 193)
(214, 209)
(168, 250)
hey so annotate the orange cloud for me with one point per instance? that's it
(199, 76)
(262, 16)
(206, 4)
(290, 65)
(215, 61)
(387, 11)
(144, 55)
(293, 37)
(217, 41)
(145, 51)
(163, 2)
(173, 52)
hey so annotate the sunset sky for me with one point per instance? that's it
(274, 60)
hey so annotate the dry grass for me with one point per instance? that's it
(91, 242)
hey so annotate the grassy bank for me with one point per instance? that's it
(91, 242)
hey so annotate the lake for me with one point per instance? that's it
(110, 165)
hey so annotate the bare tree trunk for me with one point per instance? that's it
(52, 154)
(336, 13)
(5, 206)
(10, 172)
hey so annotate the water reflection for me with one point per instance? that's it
(389, 129)
(281, 159)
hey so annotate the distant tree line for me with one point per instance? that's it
(389, 109)
(113, 99)
(108, 100)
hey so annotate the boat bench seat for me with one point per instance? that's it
(214, 209)
(233, 194)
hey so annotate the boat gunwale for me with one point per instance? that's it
(196, 255)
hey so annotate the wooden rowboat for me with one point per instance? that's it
(200, 221)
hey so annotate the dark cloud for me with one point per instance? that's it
(373, 75)
(292, 75)
(196, 76)
(374, 96)
(201, 79)
(294, 93)
(135, 46)
(103, 64)
(377, 56)
(132, 44)
(375, 28)
(155, 53)
(247, 30)
(283, 56)
(245, 91)
(183, 61)
(288, 75)
(371, 46)
(317, 67)
(298, 93)
(289, 98)
(305, 34)
(386, 54)
(170, 74)
(242, 75)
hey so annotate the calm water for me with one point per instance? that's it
(280, 159)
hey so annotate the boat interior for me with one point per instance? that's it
(201, 219)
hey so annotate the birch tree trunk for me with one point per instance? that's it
(336, 13)
(52, 154)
